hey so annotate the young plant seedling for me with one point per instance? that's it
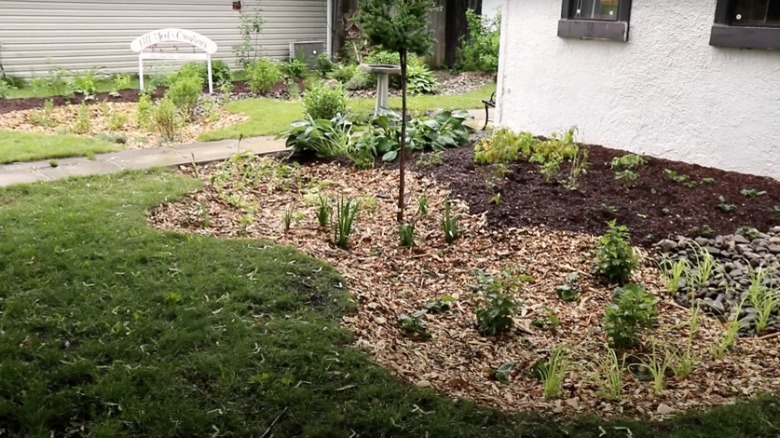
(495, 199)
(495, 317)
(763, 298)
(503, 373)
(570, 291)
(550, 321)
(656, 365)
(450, 224)
(406, 232)
(414, 325)
(752, 193)
(729, 339)
(674, 273)
(632, 311)
(615, 259)
(725, 206)
(552, 372)
(441, 305)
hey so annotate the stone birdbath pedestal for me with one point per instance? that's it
(382, 72)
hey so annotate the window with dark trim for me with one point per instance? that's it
(595, 19)
(753, 24)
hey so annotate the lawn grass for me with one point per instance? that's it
(271, 116)
(110, 328)
(23, 146)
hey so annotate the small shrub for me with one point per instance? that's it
(117, 121)
(262, 75)
(615, 258)
(495, 317)
(450, 224)
(627, 162)
(295, 69)
(184, 93)
(86, 84)
(361, 80)
(343, 73)
(479, 50)
(220, 72)
(5, 89)
(44, 117)
(322, 102)
(83, 124)
(166, 119)
(324, 64)
(383, 57)
(632, 311)
(210, 107)
(346, 213)
(406, 232)
(144, 111)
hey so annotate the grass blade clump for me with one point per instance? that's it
(450, 224)
(323, 212)
(406, 233)
(346, 213)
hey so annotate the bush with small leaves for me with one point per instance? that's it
(262, 74)
(615, 258)
(632, 311)
(323, 102)
(166, 119)
(295, 69)
(144, 111)
(184, 93)
(495, 317)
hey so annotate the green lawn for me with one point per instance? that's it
(110, 328)
(23, 146)
(270, 116)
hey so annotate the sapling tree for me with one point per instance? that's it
(398, 26)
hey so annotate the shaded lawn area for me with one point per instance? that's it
(113, 327)
(271, 116)
(23, 146)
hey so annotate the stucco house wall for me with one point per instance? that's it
(36, 35)
(666, 92)
(491, 7)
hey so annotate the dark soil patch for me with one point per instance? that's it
(654, 207)
(26, 103)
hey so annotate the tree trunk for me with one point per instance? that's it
(402, 164)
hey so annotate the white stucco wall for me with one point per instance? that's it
(491, 7)
(665, 93)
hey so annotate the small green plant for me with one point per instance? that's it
(725, 206)
(430, 159)
(83, 124)
(552, 373)
(609, 208)
(414, 325)
(615, 258)
(166, 119)
(703, 231)
(632, 311)
(117, 121)
(119, 83)
(295, 69)
(346, 213)
(5, 88)
(627, 162)
(479, 50)
(323, 212)
(626, 176)
(503, 373)
(495, 199)
(676, 177)
(656, 364)
(495, 316)
(450, 224)
(287, 218)
(226, 89)
(674, 274)
(441, 305)
(550, 321)
(579, 166)
(569, 291)
(323, 102)
(551, 168)
(701, 271)
(86, 84)
(681, 360)
(406, 232)
(422, 205)
(145, 112)
(730, 336)
(44, 117)
(420, 79)
(324, 64)
(752, 193)
(608, 373)
(262, 74)
(763, 298)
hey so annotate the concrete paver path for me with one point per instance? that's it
(165, 156)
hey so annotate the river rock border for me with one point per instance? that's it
(736, 257)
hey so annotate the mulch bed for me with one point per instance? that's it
(653, 207)
(28, 103)
(248, 198)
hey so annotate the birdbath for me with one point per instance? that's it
(382, 72)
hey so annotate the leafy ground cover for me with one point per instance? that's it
(23, 146)
(269, 116)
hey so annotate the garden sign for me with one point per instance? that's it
(195, 39)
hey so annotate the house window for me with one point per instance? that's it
(595, 19)
(752, 24)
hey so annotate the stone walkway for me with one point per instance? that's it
(166, 156)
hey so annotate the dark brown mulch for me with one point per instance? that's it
(653, 207)
(26, 103)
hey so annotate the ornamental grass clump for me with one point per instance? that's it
(615, 258)
(406, 233)
(346, 213)
(450, 224)
(323, 212)
(632, 311)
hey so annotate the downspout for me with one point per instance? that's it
(329, 28)
(502, 63)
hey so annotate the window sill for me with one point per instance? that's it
(593, 30)
(745, 37)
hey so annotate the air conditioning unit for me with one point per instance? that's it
(307, 51)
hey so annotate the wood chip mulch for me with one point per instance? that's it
(388, 281)
(64, 117)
